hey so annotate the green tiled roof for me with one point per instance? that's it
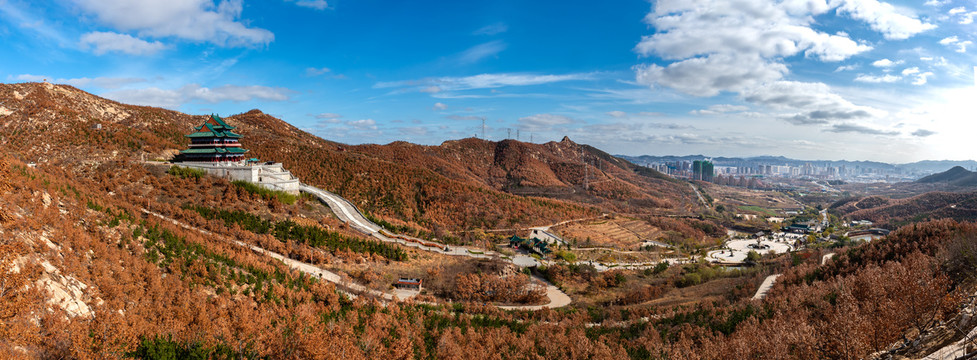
(214, 132)
(221, 122)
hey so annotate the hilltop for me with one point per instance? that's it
(957, 176)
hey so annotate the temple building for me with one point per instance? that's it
(213, 142)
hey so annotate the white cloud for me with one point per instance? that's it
(104, 42)
(312, 4)
(949, 40)
(542, 122)
(720, 109)
(961, 46)
(194, 20)
(481, 51)
(877, 79)
(713, 74)
(910, 71)
(363, 124)
(923, 133)
(640, 114)
(967, 19)
(884, 18)
(740, 47)
(937, 2)
(720, 45)
(957, 10)
(99, 82)
(493, 29)
(687, 29)
(885, 63)
(807, 103)
(316, 71)
(440, 106)
(328, 116)
(922, 78)
(860, 129)
(195, 93)
(483, 81)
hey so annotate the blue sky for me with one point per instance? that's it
(814, 79)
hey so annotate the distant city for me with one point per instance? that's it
(699, 167)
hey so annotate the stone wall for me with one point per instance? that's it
(270, 176)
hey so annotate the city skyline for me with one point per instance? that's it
(834, 80)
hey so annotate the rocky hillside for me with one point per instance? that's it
(461, 184)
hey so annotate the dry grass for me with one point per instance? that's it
(618, 233)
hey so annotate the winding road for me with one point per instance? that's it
(348, 213)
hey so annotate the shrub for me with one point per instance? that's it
(266, 193)
(186, 173)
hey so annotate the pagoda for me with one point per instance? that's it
(213, 142)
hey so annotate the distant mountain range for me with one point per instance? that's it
(925, 166)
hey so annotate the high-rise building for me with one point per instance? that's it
(702, 170)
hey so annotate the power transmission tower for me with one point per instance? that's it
(517, 134)
(483, 129)
(508, 133)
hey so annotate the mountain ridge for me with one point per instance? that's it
(459, 185)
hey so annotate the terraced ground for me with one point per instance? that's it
(619, 233)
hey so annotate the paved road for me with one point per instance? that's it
(765, 286)
(348, 213)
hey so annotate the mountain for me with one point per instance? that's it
(955, 176)
(893, 213)
(933, 166)
(458, 185)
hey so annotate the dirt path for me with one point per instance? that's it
(697, 193)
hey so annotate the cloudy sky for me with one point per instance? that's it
(813, 79)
